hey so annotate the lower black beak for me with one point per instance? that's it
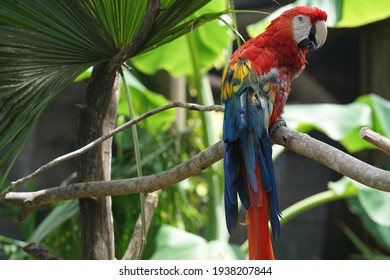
(309, 43)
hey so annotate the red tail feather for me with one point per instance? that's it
(259, 241)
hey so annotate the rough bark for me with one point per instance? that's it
(97, 117)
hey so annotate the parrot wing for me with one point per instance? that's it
(245, 133)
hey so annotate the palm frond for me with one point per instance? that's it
(46, 44)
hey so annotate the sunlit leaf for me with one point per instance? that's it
(342, 123)
(175, 57)
(339, 122)
(175, 244)
(145, 100)
(381, 112)
(341, 13)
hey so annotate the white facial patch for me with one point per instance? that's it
(301, 27)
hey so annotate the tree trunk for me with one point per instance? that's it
(97, 117)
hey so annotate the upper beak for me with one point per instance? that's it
(320, 33)
(317, 36)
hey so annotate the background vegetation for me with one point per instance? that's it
(188, 222)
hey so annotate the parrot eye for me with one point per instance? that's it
(300, 18)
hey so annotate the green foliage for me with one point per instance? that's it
(175, 57)
(341, 13)
(174, 244)
(46, 44)
(342, 123)
(145, 100)
(373, 208)
(38, 59)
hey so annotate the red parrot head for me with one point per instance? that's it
(306, 24)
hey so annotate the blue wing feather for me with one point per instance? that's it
(245, 133)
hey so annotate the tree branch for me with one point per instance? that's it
(333, 158)
(29, 201)
(376, 139)
(78, 152)
(134, 248)
(39, 252)
(298, 142)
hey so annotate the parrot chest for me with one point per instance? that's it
(276, 86)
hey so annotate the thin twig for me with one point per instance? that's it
(78, 152)
(298, 142)
(137, 239)
(376, 139)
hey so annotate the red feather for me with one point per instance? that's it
(275, 58)
(259, 240)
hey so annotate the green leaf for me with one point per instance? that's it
(175, 57)
(379, 232)
(344, 186)
(145, 100)
(339, 122)
(46, 44)
(342, 122)
(84, 75)
(175, 244)
(356, 13)
(341, 13)
(372, 207)
(56, 217)
(10, 248)
(375, 203)
(381, 112)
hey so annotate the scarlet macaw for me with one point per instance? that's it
(255, 86)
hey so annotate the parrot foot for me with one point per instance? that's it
(276, 125)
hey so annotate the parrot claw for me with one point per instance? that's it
(276, 125)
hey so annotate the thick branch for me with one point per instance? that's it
(300, 143)
(333, 158)
(31, 200)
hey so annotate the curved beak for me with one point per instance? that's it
(321, 33)
(317, 36)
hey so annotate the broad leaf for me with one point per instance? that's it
(341, 13)
(342, 122)
(175, 244)
(145, 100)
(175, 57)
(379, 232)
(372, 206)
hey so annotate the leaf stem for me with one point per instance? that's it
(314, 201)
(204, 96)
(138, 164)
